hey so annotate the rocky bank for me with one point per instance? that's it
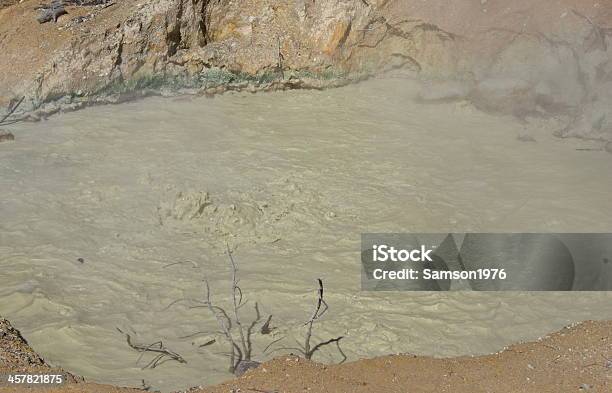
(575, 359)
(524, 58)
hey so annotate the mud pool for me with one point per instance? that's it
(95, 204)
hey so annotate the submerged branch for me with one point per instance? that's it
(163, 354)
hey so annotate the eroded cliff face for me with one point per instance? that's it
(522, 58)
(191, 42)
(124, 46)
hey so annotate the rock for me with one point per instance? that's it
(244, 366)
(608, 147)
(51, 12)
(15, 349)
(6, 136)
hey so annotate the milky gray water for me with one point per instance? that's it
(290, 180)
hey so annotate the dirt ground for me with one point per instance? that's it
(578, 358)
(572, 360)
(28, 45)
(7, 3)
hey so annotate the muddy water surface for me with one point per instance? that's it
(95, 204)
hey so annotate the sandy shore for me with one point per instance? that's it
(577, 358)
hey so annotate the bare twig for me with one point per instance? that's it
(193, 264)
(306, 349)
(330, 341)
(272, 343)
(237, 301)
(163, 354)
(144, 386)
(177, 301)
(240, 350)
(194, 334)
(344, 357)
(240, 343)
(207, 343)
(250, 332)
(223, 322)
(320, 302)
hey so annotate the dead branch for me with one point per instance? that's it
(330, 341)
(193, 264)
(144, 386)
(174, 302)
(207, 343)
(320, 302)
(237, 302)
(306, 349)
(240, 343)
(319, 311)
(163, 354)
(250, 332)
(272, 343)
(193, 334)
(241, 347)
(240, 352)
(219, 315)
